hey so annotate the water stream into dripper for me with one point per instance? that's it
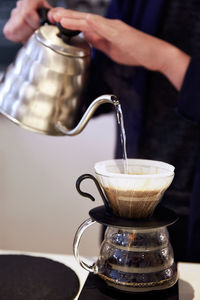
(120, 121)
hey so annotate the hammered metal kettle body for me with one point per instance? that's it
(44, 89)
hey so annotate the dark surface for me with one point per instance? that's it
(25, 277)
(96, 288)
(161, 217)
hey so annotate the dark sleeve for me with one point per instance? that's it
(189, 97)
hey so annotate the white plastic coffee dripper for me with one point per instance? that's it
(136, 194)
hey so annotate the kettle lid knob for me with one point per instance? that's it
(64, 32)
(61, 40)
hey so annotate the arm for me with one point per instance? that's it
(127, 45)
(121, 42)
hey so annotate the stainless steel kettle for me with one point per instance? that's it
(44, 89)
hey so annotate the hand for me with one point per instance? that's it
(24, 20)
(125, 44)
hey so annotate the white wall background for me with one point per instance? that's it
(40, 208)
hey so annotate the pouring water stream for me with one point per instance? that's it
(120, 121)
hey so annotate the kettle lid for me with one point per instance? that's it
(53, 38)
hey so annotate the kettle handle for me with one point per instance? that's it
(93, 268)
(43, 12)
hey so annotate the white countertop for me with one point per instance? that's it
(189, 273)
(189, 281)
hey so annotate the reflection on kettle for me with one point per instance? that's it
(43, 90)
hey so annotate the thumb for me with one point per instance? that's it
(30, 14)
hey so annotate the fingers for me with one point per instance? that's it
(16, 28)
(28, 13)
(57, 13)
(75, 24)
(69, 18)
(102, 33)
(86, 22)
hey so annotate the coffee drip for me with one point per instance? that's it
(136, 254)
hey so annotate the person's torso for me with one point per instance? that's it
(166, 135)
(163, 134)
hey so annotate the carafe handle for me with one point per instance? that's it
(93, 268)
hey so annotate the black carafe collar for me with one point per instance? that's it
(161, 217)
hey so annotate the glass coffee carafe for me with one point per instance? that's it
(136, 254)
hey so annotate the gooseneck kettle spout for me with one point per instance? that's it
(112, 99)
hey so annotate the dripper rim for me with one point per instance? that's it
(100, 168)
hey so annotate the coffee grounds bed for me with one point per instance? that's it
(24, 277)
